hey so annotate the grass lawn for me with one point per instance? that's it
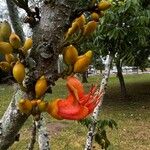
(131, 114)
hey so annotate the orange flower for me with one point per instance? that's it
(75, 87)
(77, 105)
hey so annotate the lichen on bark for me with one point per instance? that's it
(12, 121)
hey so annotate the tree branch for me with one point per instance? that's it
(11, 122)
(33, 137)
(15, 20)
(95, 114)
(43, 139)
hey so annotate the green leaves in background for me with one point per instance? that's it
(100, 132)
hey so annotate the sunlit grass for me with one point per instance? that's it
(132, 115)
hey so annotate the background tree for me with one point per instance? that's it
(127, 35)
(121, 24)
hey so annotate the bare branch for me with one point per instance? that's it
(33, 16)
(15, 20)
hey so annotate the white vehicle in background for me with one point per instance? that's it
(125, 70)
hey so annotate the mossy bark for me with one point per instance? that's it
(11, 121)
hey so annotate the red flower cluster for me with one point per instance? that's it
(77, 105)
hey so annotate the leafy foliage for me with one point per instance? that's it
(124, 32)
(100, 132)
(98, 63)
(85, 122)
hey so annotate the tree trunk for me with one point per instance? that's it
(121, 79)
(84, 77)
(95, 114)
(48, 41)
(11, 122)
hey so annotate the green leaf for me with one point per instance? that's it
(101, 124)
(102, 140)
(85, 122)
(112, 124)
(98, 138)
(104, 136)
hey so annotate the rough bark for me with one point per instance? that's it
(121, 79)
(15, 20)
(11, 122)
(95, 114)
(33, 137)
(43, 139)
(48, 37)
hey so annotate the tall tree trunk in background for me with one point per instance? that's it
(103, 85)
(48, 41)
(121, 79)
(84, 77)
